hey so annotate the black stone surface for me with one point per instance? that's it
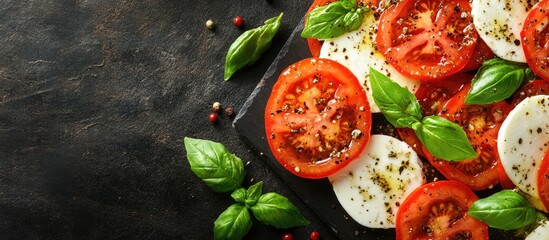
(95, 100)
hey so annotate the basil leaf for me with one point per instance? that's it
(276, 210)
(221, 170)
(253, 193)
(348, 4)
(239, 195)
(504, 210)
(333, 20)
(496, 80)
(444, 139)
(247, 48)
(233, 223)
(394, 101)
(407, 121)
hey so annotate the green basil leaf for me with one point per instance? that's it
(505, 210)
(348, 4)
(233, 223)
(407, 121)
(276, 210)
(221, 170)
(333, 20)
(247, 48)
(496, 80)
(253, 193)
(444, 139)
(394, 101)
(239, 195)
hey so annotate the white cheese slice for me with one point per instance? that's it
(540, 233)
(499, 22)
(371, 188)
(356, 50)
(523, 140)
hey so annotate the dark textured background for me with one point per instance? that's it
(96, 97)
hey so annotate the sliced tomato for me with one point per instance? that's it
(315, 45)
(427, 39)
(504, 180)
(532, 88)
(481, 124)
(535, 39)
(543, 181)
(317, 118)
(481, 54)
(432, 96)
(438, 210)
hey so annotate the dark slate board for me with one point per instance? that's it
(318, 194)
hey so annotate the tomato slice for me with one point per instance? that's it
(535, 39)
(543, 181)
(481, 54)
(427, 39)
(317, 118)
(532, 88)
(481, 124)
(315, 45)
(504, 180)
(438, 210)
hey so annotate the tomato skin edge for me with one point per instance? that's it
(537, 59)
(543, 181)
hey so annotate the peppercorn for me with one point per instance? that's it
(212, 118)
(314, 236)
(229, 111)
(238, 21)
(287, 236)
(210, 24)
(216, 107)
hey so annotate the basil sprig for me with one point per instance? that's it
(333, 20)
(506, 210)
(247, 48)
(443, 138)
(223, 171)
(496, 80)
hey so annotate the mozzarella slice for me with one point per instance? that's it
(499, 23)
(540, 233)
(356, 50)
(523, 140)
(372, 187)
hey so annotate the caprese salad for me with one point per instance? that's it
(464, 83)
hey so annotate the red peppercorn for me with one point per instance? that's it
(238, 21)
(314, 235)
(287, 236)
(212, 118)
